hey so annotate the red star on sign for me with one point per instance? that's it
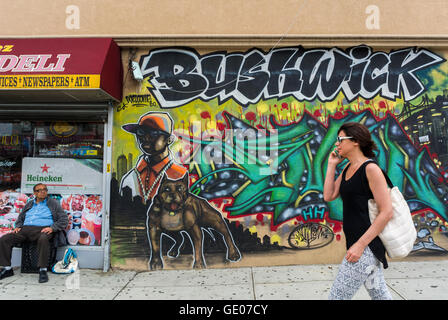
(44, 168)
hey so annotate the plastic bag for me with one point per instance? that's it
(68, 264)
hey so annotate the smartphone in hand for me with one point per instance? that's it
(337, 153)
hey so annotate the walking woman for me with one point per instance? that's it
(361, 180)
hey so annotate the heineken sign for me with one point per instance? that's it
(62, 176)
(38, 178)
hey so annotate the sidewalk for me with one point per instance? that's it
(406, 281)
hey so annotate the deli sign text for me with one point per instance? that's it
(39, 71)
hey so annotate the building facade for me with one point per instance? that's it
(214, 152)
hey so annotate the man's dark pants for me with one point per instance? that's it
(27, 233)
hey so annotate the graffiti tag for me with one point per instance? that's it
(179, 76)
(310, 236)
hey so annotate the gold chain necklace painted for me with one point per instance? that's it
(159, 176)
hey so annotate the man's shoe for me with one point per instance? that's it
(43, 277)
(6, 273)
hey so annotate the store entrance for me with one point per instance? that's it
(67, 156)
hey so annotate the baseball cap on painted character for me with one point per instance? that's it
(151, 122)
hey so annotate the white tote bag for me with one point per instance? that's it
(399, 234)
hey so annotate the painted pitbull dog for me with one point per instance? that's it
(173, 209)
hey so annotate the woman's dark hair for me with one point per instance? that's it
(360, 134)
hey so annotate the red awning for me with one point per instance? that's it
(60, 70)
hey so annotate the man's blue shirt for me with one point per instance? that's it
(39, 215)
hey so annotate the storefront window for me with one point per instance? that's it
(68, 158)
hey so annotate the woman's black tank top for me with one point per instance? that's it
(355, 193)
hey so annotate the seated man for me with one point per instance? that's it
(38, 221)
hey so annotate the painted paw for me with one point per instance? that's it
(234, 256)
(172, 254)
(199, 265)
(156, 265)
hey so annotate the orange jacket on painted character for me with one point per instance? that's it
(144, 180)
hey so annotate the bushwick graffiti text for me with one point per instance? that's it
(179, 76)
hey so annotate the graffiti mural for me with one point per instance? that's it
(157, 179)
(222, 156)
